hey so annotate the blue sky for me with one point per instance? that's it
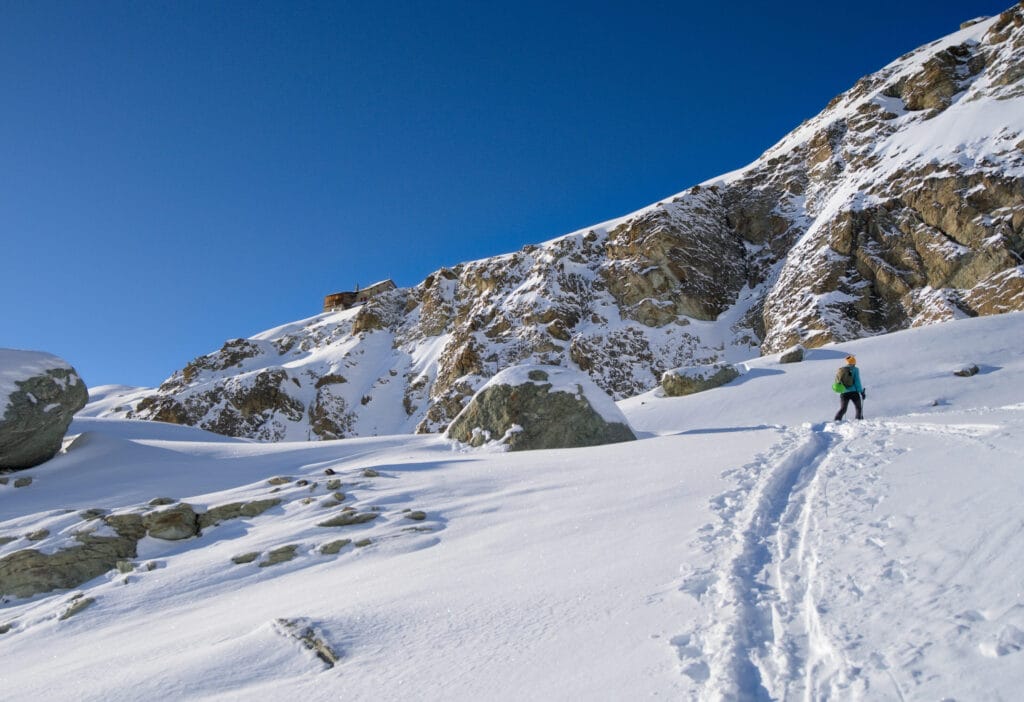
(174, 174)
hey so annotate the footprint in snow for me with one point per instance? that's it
(1010, 640)
(696, 582)
(894, 571)
(691, 658)
(972, 615)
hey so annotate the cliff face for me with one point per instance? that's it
(901, 204)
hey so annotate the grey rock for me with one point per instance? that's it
(794, 354)
(22, 482)
(245, 557)
(281, 554)
(686, 381)
(161, 501)
(349, 518)
(363, 543)
(548, 419)
(234, 510)
(967, 371)
(76, 606)
(416, 516)
(128, 525)
(333, 547)
(173, 524)
(311, 639)
(28, 572)
(38, 413)
(39, 410)
(37, 535)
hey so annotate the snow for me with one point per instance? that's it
(746, 548)
(17, 365)
(108, 398)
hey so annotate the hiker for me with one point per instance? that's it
(849, 388)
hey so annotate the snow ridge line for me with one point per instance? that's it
(733, 648)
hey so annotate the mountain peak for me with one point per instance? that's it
(901, 204)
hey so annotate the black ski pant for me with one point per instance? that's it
(844, 402)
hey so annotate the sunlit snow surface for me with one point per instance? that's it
(744, 548)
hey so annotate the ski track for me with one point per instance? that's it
(767, 633)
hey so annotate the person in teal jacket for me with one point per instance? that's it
(855, 392)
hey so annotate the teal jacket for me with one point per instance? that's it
(857, 387)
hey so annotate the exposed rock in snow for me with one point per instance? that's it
(537, 407)
(794, 354)
(686, 381)
(39, 395)
(29, 571)
(172, 524)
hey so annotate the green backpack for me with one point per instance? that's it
(844, 379)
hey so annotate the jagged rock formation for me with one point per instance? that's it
(901, 204)
(39, 395)
(537, 407)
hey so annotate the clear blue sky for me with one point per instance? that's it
(174, 174)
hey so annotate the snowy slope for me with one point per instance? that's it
(745, 548)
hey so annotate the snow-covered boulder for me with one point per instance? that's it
(537, 407)
(39, 395)
(794, 354)
(686, 381)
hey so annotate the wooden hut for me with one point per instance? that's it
(345, 300)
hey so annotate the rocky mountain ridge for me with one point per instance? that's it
(901, 204)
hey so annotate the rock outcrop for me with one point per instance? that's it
(30, 571)
(39, 395)
(536, 407)
(900, 204)
(103, 542)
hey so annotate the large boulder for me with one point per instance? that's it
(538, 407)
(39, 395)
(686, 381)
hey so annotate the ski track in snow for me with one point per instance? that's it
(769, 631)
